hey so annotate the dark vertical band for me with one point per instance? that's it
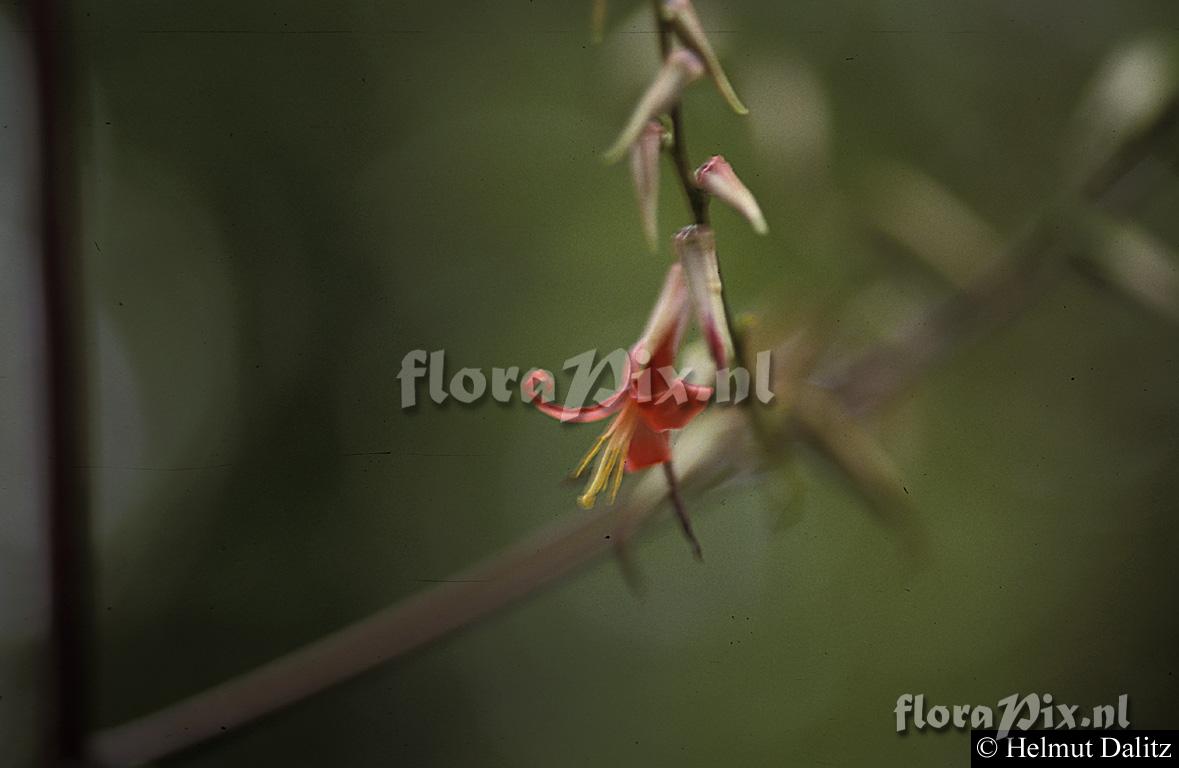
(67, 524)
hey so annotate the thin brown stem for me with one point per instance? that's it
(681, 511)
(696, 197)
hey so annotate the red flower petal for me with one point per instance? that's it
(664, 412)
(538, 380)
(647, 447)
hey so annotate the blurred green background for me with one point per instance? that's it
(280, 200)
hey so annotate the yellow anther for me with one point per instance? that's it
(612, 462)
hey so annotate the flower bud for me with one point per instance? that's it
(644, 171)
(716, 177)
(683, 19)
(679, 70)
(667, 320)
(696, 248)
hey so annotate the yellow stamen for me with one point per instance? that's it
(612, 462)
(617, 479)
(593, 451)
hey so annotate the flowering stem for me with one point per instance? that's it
(697, 199)
(698, 203)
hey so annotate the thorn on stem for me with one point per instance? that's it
(681, 511)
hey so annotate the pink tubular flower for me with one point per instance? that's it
(717, 178)
(648, 406)
(695, 245)
(681, 69)
(683, 19)
(644, 171)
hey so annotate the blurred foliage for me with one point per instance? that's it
(281, 200)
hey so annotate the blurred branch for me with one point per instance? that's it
(833, 430)
(1025, 268)
(1107, 179)
(930, 222)
(876, 376)
(519, 571)
(1123, 257)
(67, 511)
(460, 600)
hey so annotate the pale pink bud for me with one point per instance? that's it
(683, 19)
(716, 177)
(644, 170)
(679, 70)
(668, 316)
(696, 248)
